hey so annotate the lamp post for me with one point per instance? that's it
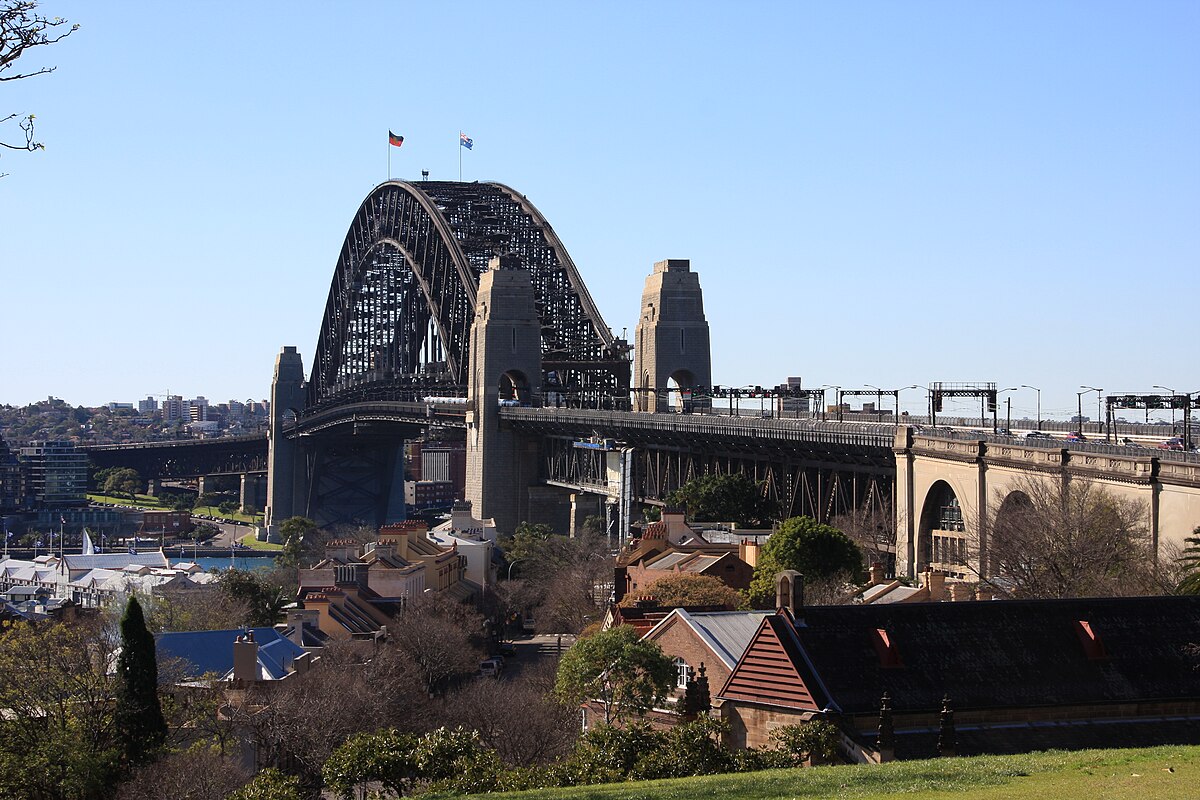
(1008, 416)
(839, 400)
(511, 564)
(878, 401)
(1039, 402)
(1172, 391)
(1079, 403)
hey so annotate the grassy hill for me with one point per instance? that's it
(1159, 773)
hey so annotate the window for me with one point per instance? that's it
(682, 670)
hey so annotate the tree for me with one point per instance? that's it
(57, 740)
(560, 575)
(726, 498)
(197, 774)
(625, 674)
(815, 550)
(299, 541)
(522, 724)
(873, 528)
(21, 30)
(123, 480)
(139, 718)
(262, 597)
(442, 637)
(686, 589)
(1059, 539)
(270, 784)
(1189, 563)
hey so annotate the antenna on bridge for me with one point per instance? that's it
(424, 174)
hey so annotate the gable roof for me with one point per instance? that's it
(774, 671)
(1009, 653)
(726, 633)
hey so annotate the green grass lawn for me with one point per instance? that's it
(254, 544)
(140, 501)
(1158, 773)
(213, 511)
(152, 503)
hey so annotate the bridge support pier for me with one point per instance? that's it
(154, 487)
(252, 492)
(506, 364)
(285, 459)
(584, 505)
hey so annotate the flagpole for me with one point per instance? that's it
(460, 156)
(389, 146)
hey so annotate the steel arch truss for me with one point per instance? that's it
(398, 316)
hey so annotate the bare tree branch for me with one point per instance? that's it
(21, 29)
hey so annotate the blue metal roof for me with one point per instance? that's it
(212, 651)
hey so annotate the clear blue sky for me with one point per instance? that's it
(872, 192)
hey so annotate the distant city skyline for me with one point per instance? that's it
(875, 194)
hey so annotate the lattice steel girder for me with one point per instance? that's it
(226, 456)
(402, 298)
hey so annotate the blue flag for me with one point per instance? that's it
(465, 140)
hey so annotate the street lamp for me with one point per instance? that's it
(1172, 391)
(1079, 403)
(839, 399)
(1008, 416)
(878, 401)
(1039, 402)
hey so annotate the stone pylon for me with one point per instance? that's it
(288, 399)
(506, 366)
(671, 340)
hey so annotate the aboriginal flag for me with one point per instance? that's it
(395, 140)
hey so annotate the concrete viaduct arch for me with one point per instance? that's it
(983, 475)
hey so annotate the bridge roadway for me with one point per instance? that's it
(842, 442)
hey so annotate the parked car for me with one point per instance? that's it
(490, 668)
(507, 649)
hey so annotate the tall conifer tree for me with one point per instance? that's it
(139, 717)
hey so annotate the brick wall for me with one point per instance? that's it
(680, 641)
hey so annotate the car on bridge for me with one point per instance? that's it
(1076, 436)
(1174, 443)
(1038, 435)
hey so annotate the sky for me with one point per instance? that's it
(872, 193)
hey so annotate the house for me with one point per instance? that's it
(357, 591)
(910, 680)
(672, 547)
(475, 540)
(245, 655)
(714, 640)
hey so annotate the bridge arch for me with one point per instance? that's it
(942, 536)
(401, 302)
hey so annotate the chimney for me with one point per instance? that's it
(959, 592)
(935, 582)
(245, 658)
(789, 592)
(876, 573)
(301, 663)
(748, 552)
(351, 575)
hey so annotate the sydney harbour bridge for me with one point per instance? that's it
(456, 306)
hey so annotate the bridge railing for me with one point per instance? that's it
(1062, 444)
(790, 429)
